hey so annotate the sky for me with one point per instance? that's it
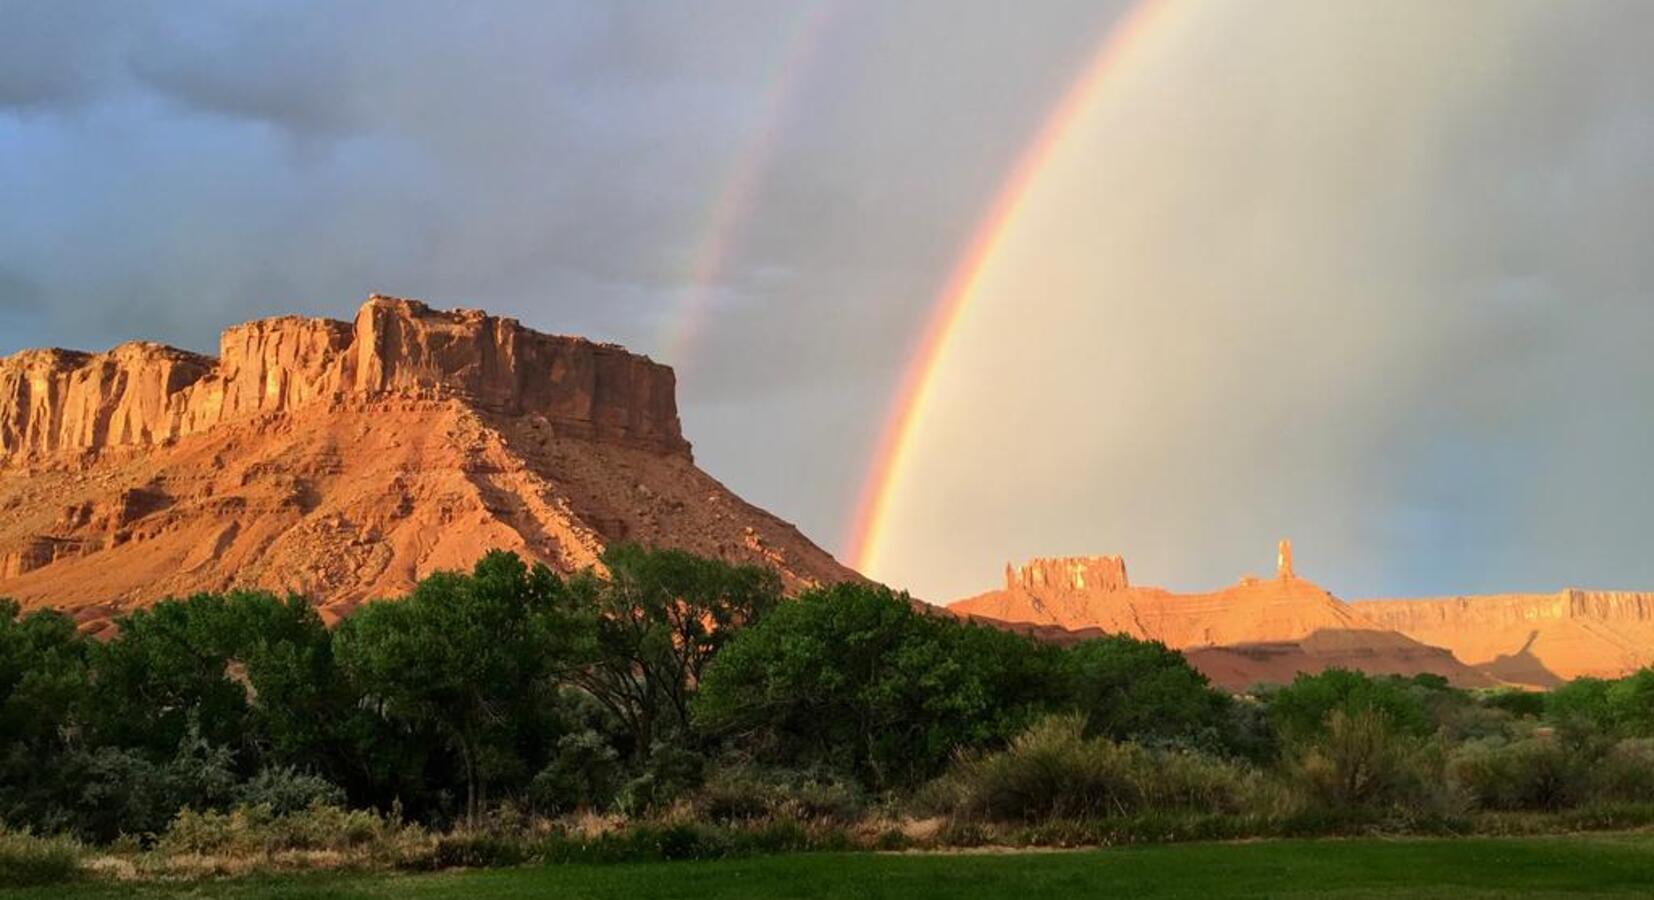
(1373, 276)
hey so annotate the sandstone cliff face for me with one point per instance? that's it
(56, 399)
(1269, 629)
(140, 395)
(1532, 639)
(1074, 574)
(1258, 630)
(345, 460)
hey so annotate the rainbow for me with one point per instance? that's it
(1115, 52)
(735, 200)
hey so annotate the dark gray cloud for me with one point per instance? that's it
(1469, 186)
(177, 167)
(54, 55)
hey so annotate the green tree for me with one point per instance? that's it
(462, 655)
(170, 668)
(42, 674)
(1516, 701)
(856, 677)
(1302, 710)
(43, 689)
(1630, 702)
(298, 702)
(648, 630)
(1580, 709)
(253, 672)
(1139, 690)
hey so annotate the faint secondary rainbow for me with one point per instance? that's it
(1118, 47)
(733, 203)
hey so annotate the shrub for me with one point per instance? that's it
(286, 790)
(1534, 773)
(584, 774)
(1471, 722)
(822, 799)
(29, 861)
(118, 791)
(1580, 709)
(1052, 771)
(1247, 732)
(1631, 704)
(1625, 774)
(668, 773)
(744, 794)
(1184, 780)
(1360, 761)
(681, 840)
(1517, 702)
(1302, 709)
(259, 830)
(477, 850)
(732, 797)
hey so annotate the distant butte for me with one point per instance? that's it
(1260, 630)
(344, 460)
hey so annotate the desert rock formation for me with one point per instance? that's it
(142, 394)
(1532, 639)
(344, 460)
(1258, 630)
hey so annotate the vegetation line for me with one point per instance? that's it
(679, 708)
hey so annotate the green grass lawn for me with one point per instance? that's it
(1595, 866)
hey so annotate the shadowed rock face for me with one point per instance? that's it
(144, 394)
(1536, 639)
(345, 460)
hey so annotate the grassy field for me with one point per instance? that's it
(1576, 867)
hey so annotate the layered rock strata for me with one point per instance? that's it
(1534, 639)
(344, 460)
(1258, 630)
(143, 394)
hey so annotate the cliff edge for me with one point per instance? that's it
(346, 460)
(143, 394)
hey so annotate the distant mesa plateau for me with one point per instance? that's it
(1269, 629)
(345, 460)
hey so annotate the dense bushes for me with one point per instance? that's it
(571, 693)
(857, 678)
(1302, 710)
(1139, 690)
(1625, 772)
(1531, 773)
(248, 829)
(676, 707)
(853, 677)
(1053, 771)
(1361, 760)
(466, 659)
(27, 860)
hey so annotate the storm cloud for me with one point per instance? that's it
(170, 168)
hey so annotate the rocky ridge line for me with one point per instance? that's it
(144, 394)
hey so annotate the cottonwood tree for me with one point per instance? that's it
(460, 655)
(855, 677)
(647, 631)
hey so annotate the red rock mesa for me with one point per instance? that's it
(344, 460)
(1532, 639)
(1258, 630)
